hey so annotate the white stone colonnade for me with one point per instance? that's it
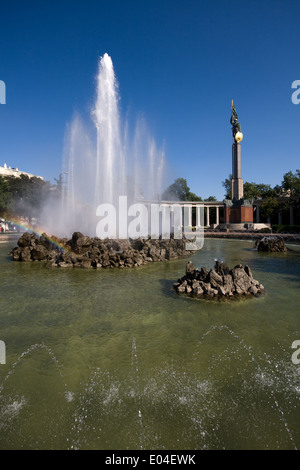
(204, 217)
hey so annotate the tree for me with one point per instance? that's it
(271, 203)
(291, 182)
(254, 190)
(193, 197)
(28, 195)
(180, 191)
(269, 207)
(227, 185)
(5, 197)
(251, 190)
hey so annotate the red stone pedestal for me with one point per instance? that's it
(239, 214)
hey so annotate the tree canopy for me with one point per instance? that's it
(291, 182)
(179, 191)
(23, 196)
(270, 196)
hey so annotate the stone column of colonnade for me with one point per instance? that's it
(200, 219)
(187, 215)
(208, 215)
(217, 215)
(279, 215)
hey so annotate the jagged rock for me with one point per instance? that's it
(271, 244)
(203, 273)
(17, 253)
(218, 282)
(83, 251)
(80, 243)
(25, 240)
(198, 291)
(248, 271)
(253, 290)
(215, 279)
(181, 289)
(221, 290)
(241, 280)
(39, 253)
(63, 264)
(25, 254)
(228, 284)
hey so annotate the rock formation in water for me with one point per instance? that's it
(218, 282)
(85, 252)
(271, 244)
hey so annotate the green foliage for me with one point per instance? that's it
(5, 197)
(254, 190)
(251, 190)
(269, 207)
(193, 197)
(28, 195)
(180, 191)
(227, 185)
(286, 228)
(24, 196)
(271, 203)
(291, 182)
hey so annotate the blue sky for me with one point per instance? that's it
(179, 63)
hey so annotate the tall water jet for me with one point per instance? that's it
(101, 164)
(110, 177)
(77, 207)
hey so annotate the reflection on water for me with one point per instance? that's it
(113, 359)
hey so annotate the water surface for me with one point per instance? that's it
(115, 359)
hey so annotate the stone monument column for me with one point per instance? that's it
(237, 183)
(238, 212)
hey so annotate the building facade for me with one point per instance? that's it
(9, 171)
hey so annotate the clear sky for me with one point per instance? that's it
(178, 62)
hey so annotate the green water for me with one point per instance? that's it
(115, 359)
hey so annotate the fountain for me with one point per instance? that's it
(99, 168)
(116, 360)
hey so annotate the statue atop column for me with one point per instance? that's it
(236, 127)
(238, 211)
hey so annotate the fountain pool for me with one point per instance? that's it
(114, 359)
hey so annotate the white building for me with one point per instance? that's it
(9, 171)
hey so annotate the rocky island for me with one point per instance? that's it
(85, 252)
(273, 244)
(220, 281)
